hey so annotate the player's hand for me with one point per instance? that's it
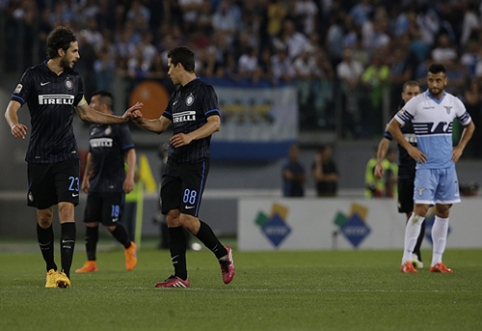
(457, 153)
(180, 139)
(85, 186)
(136, 116)
(135, 107)
(417, 155)
(19, 131)
(128, 185)
(379, 171)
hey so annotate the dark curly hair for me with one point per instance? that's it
(60, 37)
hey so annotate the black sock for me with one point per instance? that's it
(209, 239)
(45, 239)
(91, 239)
(177, 246)
(416, 250)
(67, 245)
(120, 234)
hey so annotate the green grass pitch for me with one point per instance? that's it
(322, 290)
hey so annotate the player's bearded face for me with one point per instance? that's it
(70, 56)
(436, 83)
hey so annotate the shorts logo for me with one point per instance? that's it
(75, 195)
(189, 100)
(18, 89)
(68, 84)
(189, 207)
(30, 196)
(420, 191)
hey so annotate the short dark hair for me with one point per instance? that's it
(60, 37)
(183, 55)
(106, 98)
(410, 83)
(437, 68)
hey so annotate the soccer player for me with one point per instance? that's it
(406, 169)
(193, 111)
(105, 180)
(432, 114)
(52, 90)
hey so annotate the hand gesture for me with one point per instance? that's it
(19, 131)
(379, 171)
(180, 139)
(457, 153)
(128, 114)
(417, 154)
(128, 185)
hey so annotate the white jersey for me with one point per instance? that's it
(432, 121)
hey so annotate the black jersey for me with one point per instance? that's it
(188, 109)
(108, 145)
(51, 100)
(406, 164)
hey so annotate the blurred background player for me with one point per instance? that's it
(406, 168)
(293, 174)
(325, 173)
(106, 181)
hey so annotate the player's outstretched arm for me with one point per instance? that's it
(464, 139)
(87, 114)
(18, 130)
(157, 125)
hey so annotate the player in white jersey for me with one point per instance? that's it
(432, 114)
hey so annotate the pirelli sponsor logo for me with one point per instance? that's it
(185, 116)
(56, 99)
(101, 142)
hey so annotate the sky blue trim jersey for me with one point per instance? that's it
(432, 121)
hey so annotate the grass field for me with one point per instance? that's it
(323, 290)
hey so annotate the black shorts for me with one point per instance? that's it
(182, 187)
(105, 208)
(51, 183)
(405, 194)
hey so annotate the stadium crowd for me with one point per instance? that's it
(363, 49)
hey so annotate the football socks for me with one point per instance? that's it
(177, 246)
(439, 238)
(412, 230)
(67, 245)
(45, 239)
(209, 239)
(91, 239)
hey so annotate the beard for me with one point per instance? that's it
(65, 63)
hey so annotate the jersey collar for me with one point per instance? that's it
(427, 92)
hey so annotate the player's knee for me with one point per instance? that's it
(44, 218)
(66, 212)
(172, 218)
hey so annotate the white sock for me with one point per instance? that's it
(412, 230)
(439, 238)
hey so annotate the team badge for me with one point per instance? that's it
(448, 109)
(189, 100)
(18, 89)
(420, 191)
(68, 84)
(108, 131)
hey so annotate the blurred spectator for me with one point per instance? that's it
(283, 71)
(276, 13)
(190, 12)
(471, 23)
(293, 174)
(248, 62)
(325, 173)
(139, 13)
(306, 12)
(227, 19)
(349, 72)
(444, 50)
(473, 103)
(361, 11)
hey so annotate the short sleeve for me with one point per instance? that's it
(23, 88)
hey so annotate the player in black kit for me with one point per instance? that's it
(52, 90)
(406, 169)
(193, 111)
(105, 180)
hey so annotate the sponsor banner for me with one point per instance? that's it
(255, 120)
(311, 223)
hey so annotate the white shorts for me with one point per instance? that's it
(436, 186)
